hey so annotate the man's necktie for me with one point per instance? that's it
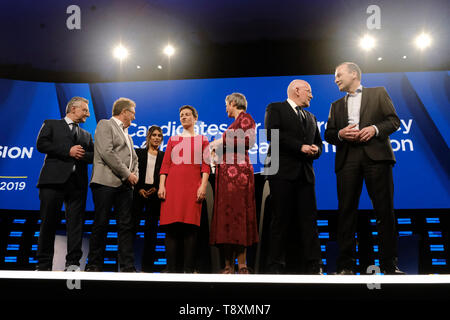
(300, 115)
(75, 131)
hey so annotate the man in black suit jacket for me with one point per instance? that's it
(359, 124)
(292, 187)
(146, 194)
(64, 179)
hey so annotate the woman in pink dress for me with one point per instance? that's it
(234, 225)
(183, 178)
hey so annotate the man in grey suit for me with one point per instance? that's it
(114, 173)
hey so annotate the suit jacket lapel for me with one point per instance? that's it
(295, 116)
(344, 114)
(364, 101)
(122, 136)
(66, 129)
(307, 122)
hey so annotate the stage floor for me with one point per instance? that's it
(225, 278)
(179, 293)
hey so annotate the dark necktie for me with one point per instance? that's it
(75, 131)
(300, 115)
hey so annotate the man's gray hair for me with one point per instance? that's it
(351, 66)
(75, 102)
(239, 99)
(122, 104)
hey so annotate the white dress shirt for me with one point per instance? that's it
(354, 106)
(149, 174)
(354, 109)
(70, 123)
(294, 105)
(127, 140)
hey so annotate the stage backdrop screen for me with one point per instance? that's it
(421, 144)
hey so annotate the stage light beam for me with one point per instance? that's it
(423, 41)
(367, 43)
(120, 52)
(169, 50)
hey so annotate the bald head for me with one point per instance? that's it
(300, 92)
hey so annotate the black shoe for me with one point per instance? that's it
(314, 268)
(275, 269)
(40, 268)
(93, 269)
(128, 269)
(393, 271)
(345, 272)
(72, 267)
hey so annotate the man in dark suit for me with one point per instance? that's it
(359, 124)
(63, 179)
(292, 187)
(145, 198)
(114, 173)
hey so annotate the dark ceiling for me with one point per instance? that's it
(214, 38)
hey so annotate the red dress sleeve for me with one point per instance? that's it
(206, 159)
(167, 160)
(242, 132)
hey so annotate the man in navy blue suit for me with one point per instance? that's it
(64, 179)
(292, 187)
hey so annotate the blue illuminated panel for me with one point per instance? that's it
(438, 262)
(435, 234)
(436, 247)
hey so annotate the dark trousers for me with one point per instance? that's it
(73, 195)
(151, 209)
(105, 198)
(294, 213)
(380, 187)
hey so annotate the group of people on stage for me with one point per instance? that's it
(170, 186)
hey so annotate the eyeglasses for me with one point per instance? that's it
(133, 112)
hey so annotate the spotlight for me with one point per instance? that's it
(404, 57)
(169, 50)
(380, 58)
(159, 67)
(138, 67)
(120, 52)
(367, 43)
(423, 41)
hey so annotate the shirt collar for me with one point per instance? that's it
(292, 104)
(120, 124)
(68, 120)
(358, 91)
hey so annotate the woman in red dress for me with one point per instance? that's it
(234, 225)
(183, 178)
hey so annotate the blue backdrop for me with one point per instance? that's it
(421, 145)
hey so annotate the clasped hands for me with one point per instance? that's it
(77, 152)
(351, 133)
(147, 193)
(310, 150)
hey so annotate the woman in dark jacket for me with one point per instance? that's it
(146, 202)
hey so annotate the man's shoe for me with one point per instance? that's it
(72, 267)
(345, 272)
(128, 269)
(315, 269)
(93, 269)
(393, 271)
(43, 268)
